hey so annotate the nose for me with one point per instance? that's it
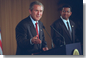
(65, 12)
(38, 12)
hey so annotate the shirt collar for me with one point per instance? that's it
(33, 21)
(64, 19)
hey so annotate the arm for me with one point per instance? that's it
(21, 37)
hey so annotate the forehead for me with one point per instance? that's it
(66, 8)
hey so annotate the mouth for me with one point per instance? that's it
(65, 15)
(38, 16)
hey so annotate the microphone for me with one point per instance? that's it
(58, 33)
(48, 35)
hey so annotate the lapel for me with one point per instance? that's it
(32, 28)
(40, 33)
(64, 27)
(72, 27)
(40, 30)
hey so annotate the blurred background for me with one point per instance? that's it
(13, 11)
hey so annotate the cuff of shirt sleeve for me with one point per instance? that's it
(31, 42)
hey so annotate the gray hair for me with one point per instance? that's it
(35, 3)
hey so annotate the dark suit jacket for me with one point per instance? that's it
(25, 30)
(61, 28)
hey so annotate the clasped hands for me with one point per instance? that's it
(35, 40)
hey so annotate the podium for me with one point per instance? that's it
(64, 50)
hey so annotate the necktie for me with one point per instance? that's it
(69, 29)
(37, 29)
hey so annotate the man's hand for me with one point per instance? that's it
(35, 40)
(45, 48)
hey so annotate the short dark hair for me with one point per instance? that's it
(35, 3)
(66, 6)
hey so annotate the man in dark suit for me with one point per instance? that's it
(65, 28)
(29, 32)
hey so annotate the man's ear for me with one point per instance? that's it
(70, 13)
(29, 11)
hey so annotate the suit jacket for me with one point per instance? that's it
(61, 28)
(25, 30)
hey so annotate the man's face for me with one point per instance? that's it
(66, 13)
(37, 12)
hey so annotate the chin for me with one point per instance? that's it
(37, 19)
